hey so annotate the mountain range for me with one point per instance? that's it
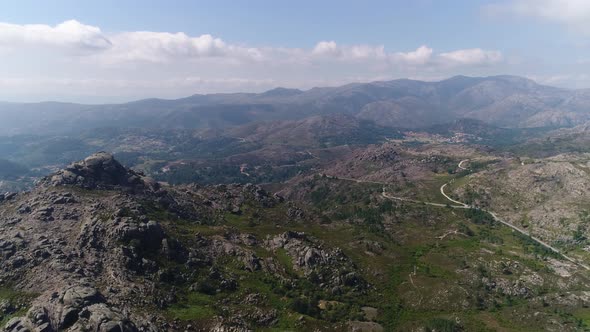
(504, 101)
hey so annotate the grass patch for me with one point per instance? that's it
(19, 300)
(285, 260)
(197, 306)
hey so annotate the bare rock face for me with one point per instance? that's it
(75, 249)
(328, 267)
(99, 171)
(77, 308)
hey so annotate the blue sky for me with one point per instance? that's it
(402, 24)
(123, 50)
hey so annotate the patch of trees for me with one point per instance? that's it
(533, 247)
(479, 217)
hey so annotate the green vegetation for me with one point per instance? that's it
(15, 303)
(533, 247)
(434, 262)
(196, 306)
(354, 204)
(479, 216)
(442, 325)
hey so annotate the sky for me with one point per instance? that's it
(115, 51)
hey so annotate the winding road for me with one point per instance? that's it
(461, 205)
(461, 163)
(442, 191)
(514, 227)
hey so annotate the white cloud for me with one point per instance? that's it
(162, 46)
(75, 37)
(326, 48)
(573, 13)
(71, 35)
(92, 62)
(420, 56)
(423, 56)
(367, 52)
(348, 52)
(471, 57)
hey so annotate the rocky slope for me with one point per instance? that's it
(546, 196)
(99, 247)
(86, 249)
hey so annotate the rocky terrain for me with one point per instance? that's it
(85, 248)
(545, 196)
(96, 246)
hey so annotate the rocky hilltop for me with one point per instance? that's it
(99, 171)
(98, 247)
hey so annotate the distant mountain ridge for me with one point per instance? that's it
(505, 101)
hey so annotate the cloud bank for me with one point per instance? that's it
(161, 47)
(85, 59)
(69, 36)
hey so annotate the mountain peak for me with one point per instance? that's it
(282, 92)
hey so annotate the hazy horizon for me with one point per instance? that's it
(100, 100)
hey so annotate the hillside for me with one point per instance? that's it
(330, 130)
(96, 246)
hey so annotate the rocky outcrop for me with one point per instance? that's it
(99, 171)
(329, 268)
(77, 250)
(77, 308)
